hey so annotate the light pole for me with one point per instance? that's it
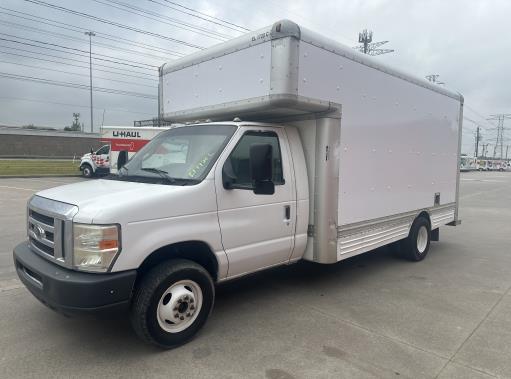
(90, 34)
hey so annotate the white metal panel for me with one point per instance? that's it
(307, 131)
(398, 140)
(255, 232)
(150, 215)
(240, 75)
(302, 191)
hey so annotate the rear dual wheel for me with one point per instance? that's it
(172, 302)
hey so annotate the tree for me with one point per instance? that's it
(75, 126)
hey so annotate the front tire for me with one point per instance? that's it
(172, 303)
(416, 246)
(87, 171)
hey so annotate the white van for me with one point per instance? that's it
(312, 151)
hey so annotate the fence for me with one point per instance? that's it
(19, 143)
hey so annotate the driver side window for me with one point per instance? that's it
(103, 150)
(238, 163)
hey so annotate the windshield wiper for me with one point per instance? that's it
(164, 174)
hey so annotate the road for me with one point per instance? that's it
(372, 316)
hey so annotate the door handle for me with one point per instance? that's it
(287, 212)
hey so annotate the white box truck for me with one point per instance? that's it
(306, 150)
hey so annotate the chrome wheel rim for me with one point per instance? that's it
(179, 306)
(422, 239)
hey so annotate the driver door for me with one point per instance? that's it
(257, 230)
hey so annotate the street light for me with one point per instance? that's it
(90, 34)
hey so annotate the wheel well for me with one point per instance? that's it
(85, 164)
(196, 251)
(425, 215)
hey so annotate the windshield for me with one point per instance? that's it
(183, 155)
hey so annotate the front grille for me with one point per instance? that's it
(47, 222)
(41, 232)
(42, 218)
(41, 246)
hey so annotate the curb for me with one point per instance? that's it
(39, 176)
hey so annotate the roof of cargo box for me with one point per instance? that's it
(287, 28)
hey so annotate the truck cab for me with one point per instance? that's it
(221, 198)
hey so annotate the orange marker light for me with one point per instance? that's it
(108, 244)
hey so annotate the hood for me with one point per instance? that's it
(112, 201)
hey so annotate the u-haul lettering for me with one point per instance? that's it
(126, 134)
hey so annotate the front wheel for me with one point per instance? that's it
(87, 171)
(416, 246)
(172, 302)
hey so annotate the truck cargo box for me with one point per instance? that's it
(380, 145)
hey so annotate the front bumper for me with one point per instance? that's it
(71, 292)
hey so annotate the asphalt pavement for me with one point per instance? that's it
(372, 316)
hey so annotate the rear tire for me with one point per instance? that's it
(416, 246)
(172, 302)
(87, 171)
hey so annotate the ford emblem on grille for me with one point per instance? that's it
(39, 232)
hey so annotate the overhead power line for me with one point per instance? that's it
(71, 53)
(75, 60)
(112, 23)
(223, 23)
(478, 114)
(76, 74)
(7, 75)
(109, 37)
(122, 110)
(68, 37)
(137, 64)
(168, 20)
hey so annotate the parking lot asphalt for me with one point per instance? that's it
(371, 316)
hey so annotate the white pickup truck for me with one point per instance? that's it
(336, 155)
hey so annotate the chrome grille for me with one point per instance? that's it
(41, 231)
(49, 228)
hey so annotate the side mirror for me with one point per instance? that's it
(261, 168)
(122, 159)
(228, 176)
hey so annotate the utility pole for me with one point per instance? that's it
(365, 38)
(91, 34)
(507, 148)
(368, 46)
(478, 138)
(499, 144)
(485, 150)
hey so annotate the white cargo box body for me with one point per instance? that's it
(395, 153)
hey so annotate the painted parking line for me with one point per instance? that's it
(20, 188)
(48, 181)
(482, 180)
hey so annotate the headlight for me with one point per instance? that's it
(95, 246)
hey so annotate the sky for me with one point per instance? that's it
(463, 41)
